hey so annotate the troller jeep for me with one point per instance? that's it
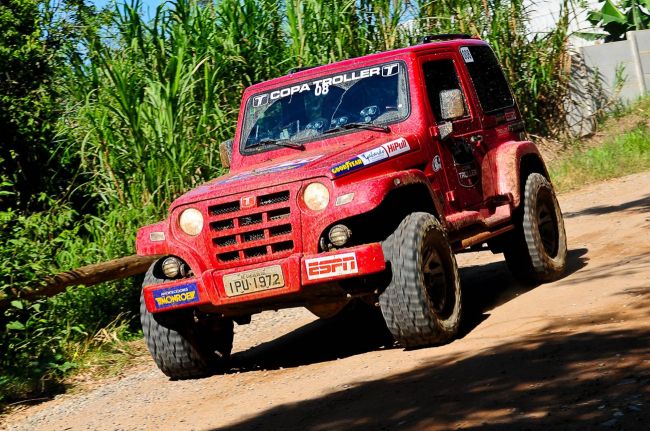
(353, 181)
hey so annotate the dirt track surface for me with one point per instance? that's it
(574, 354)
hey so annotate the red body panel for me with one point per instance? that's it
(254, 217)
(367, 259)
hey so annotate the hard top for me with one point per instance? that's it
(404, 53)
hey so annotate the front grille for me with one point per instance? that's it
(264, 231)
(279, 214)
(226, 208)
(280, 230)
(282, 246)
(249, 220)
(225, 241)
(253, 236)
(229, 257)
(222, 225)
(274, 198)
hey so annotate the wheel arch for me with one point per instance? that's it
(506, 168)
(378, 223)
(532, 163)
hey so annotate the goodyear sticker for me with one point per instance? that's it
(385, 151)
(347, 166)
(177, 295)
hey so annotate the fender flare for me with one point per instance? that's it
(502, 168)
(379, 187)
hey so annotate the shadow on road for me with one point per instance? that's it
(551, 381)
(638, 205)
(362, 329)
(357, 330)
(488, 286)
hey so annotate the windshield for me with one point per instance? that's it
(375, 95)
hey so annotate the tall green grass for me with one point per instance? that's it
(623, 155)
(152, 100)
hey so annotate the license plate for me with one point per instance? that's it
(255, 280)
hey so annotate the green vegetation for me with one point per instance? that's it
(624, 155)
(617, 18)
(107, 117)
(624, 150)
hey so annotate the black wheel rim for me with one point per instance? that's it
(547, 224)
(440, 294)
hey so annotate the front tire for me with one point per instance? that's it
(182, 345)
(536, 250)
(422, 303)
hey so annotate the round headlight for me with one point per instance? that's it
(316, 196)
(191, 221)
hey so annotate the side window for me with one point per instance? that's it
(440, 75)
(488, 79)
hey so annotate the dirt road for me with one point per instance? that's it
(574, 354)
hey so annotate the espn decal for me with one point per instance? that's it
(331, 266)
(177, 295)
(385, 151)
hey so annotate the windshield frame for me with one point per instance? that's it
(404, 71)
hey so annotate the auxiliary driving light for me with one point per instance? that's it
(171, 267)
(339, 235)
(191, 221)
(316, 196)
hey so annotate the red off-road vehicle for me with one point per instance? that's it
(357, 180)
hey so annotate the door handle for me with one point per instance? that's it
(476, 139)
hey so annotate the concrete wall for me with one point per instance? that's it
(595, 83)
(605, 59)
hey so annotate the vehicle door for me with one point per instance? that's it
(455, 156)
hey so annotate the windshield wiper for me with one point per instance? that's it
(279, 143)
(366, 126)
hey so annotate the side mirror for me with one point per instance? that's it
(225, 152)
(452, 105)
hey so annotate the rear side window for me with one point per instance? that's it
(489, 82)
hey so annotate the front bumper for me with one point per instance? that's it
(300, 272)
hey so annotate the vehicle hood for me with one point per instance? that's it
(330, 162)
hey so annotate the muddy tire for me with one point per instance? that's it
(422, 303)
(536, 250)
(181, 346)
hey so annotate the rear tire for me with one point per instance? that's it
(422, 303)
(536, 250)
(181, 346)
